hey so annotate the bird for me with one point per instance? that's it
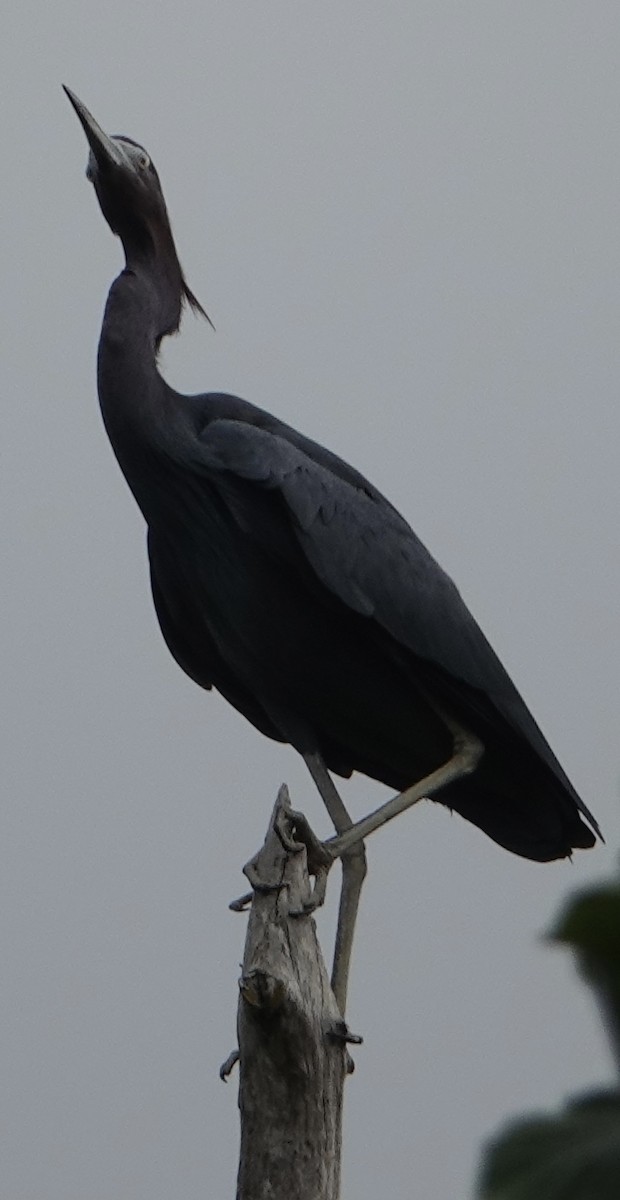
(285, 580)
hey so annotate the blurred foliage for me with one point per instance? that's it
(574, 1155)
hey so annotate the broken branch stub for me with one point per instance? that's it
(292, 1061)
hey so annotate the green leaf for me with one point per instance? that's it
(590, 925)
(575, 1156)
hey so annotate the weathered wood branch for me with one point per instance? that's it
(292, 1040)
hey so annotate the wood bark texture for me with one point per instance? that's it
(292, 1056)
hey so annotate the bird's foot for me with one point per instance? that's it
(316, 896)
(258, 884)
(296, 834)
(338, 1031)
(227, 1066)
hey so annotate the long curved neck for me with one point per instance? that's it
(139, 409)
(152, 260)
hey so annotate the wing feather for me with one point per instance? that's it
(360, 548)
(363, 551)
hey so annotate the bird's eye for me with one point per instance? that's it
(143, 160)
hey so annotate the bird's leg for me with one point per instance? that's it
(467, 752)
(353, 874)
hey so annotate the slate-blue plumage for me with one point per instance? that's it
(285, 580)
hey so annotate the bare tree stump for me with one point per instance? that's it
(292, 1039)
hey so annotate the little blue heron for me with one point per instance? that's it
(285, 580)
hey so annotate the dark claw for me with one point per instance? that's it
(319, 857)
(282, 825)
(339, 1031)
(257, 883)
(227, 1066)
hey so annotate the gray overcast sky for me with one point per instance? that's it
(403, 219)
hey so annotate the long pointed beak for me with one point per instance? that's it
(104, 149)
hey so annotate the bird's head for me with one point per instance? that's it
(129, 194)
